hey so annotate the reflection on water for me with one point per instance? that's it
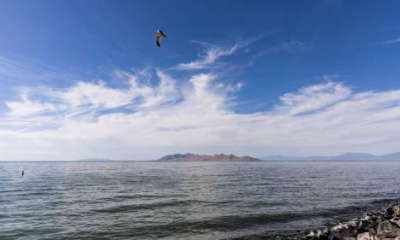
(125, 200)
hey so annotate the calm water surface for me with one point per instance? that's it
(137, 200)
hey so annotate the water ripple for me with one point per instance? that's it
(131, 200)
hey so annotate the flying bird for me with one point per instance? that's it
(159, 34)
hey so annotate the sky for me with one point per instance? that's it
(84, 79)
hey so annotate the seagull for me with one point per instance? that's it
(159, 34)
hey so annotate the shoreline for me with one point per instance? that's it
(378, 224)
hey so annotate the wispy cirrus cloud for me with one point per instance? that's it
(213, 53)
(313, 98)
(391, 41)
(15, 72)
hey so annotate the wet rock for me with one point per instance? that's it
(364, 236)
(374, 225)
(372, 231)
(363, 226)
(397, 210)
(388, 229)
(389, 213)
(396, 222)
(352, 224)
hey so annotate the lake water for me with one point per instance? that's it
(139, 200)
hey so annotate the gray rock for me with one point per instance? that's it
(364, 236)
(374, 225)
(387, 228)
(396, 222)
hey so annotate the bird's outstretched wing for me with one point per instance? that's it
(163, 34)
(158, 40)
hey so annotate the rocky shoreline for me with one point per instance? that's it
(381, 224)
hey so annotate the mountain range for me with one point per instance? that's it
(343, 157)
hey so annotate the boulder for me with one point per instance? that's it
(388, 230)
(364, 236)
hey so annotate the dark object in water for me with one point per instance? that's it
(22, 173)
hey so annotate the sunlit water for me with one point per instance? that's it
(137, 200)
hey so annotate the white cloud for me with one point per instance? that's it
(206, 60)
(213, 53)
(314, 98)
(145, 121)
(27, 107)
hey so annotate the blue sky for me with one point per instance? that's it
(84, 78)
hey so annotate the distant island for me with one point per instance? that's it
(342, 157)
(190, 157)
